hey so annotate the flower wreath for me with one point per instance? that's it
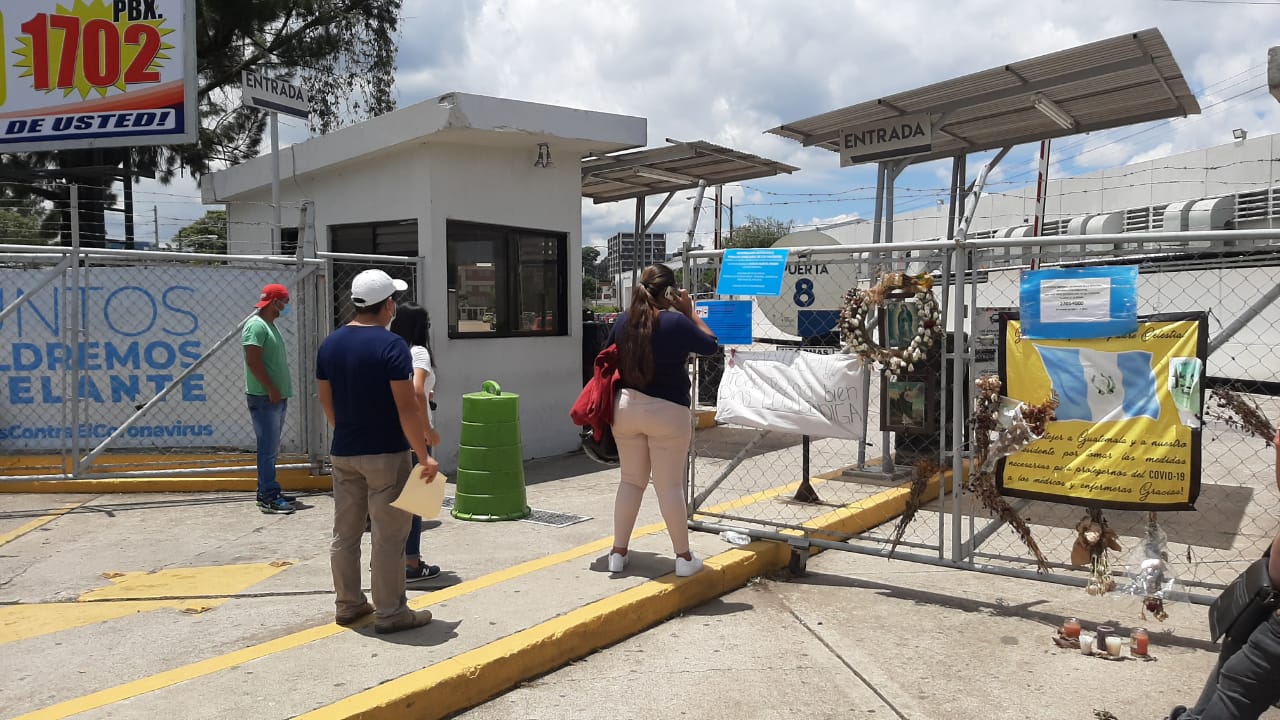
(857, 305)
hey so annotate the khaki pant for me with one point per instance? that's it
(364, 486)
(653, 442)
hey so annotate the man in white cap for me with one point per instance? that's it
(365, 376)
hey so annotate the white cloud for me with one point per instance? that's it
(726, 72)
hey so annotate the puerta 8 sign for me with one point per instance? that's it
(96, 73)
(1127, 428)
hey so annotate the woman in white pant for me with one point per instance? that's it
(651, 415)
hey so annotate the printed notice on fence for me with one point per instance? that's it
(1080, 300)
(794, 391)
(1127, 430)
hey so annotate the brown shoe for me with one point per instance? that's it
(408, 621)
(352, 616)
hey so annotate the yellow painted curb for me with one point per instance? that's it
(473, 677)
(189, 484)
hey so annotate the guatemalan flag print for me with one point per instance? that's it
(1097, 386)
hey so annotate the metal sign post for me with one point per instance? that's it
(274, 96)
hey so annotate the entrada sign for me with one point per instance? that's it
(274, 95)
(884, 139)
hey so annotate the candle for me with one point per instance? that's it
(1086, 644)
(1114, 644)
(1138, 642)
(1071, 628)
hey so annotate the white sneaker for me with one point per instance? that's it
(617, 563)
(685, 568)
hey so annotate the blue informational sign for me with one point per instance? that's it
(1079, 303)
(730, 320)
(756, 271)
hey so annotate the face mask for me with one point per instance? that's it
(393, 319)
(286, 311)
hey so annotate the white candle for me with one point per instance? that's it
(1086, 644)
(1113, 645)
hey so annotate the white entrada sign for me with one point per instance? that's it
(794, 391)
(273, 95)
(900, 136)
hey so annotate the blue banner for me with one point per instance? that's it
(755, 271)
(730, 320)
(1079, 303)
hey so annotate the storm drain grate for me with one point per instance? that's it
(549, 518)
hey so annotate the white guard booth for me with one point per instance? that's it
(488, 192)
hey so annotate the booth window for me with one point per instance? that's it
(505, 281)
(398, 237)
(289, 241)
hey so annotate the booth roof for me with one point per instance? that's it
(1111, 83)
(679, 166)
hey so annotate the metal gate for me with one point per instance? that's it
(779, 486)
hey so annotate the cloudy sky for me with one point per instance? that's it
(727, 71)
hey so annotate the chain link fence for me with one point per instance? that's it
(130, 363)
(774, 484)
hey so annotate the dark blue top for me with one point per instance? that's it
(673, 339)
(360, 362)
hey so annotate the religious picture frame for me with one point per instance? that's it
(908, 404)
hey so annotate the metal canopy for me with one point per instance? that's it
(679, 166)
(1110, 83)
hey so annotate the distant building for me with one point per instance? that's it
(621, 255)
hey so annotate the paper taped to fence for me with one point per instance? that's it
(1127, 433)
(793, 391)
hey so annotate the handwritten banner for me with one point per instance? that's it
(794, 391)
(1127, 434)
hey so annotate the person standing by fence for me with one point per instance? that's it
(651, 416)
(414, 325)
(268, 387)
(365, 376)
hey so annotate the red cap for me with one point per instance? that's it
(271, 293)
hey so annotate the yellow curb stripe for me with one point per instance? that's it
(39, 522)
(212, 665)
(475, 676)
(108, 486)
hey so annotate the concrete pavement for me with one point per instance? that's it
(196, 605)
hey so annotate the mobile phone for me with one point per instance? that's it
(672, 293)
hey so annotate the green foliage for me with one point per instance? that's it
(758, 233)
(590, 288)
(206, 235)
(21, 227)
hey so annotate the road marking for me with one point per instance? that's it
(212, 665)
(189, 589)
(39, 522)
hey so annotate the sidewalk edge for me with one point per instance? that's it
(478, 675)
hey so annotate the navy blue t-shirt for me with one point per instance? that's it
(360, 362)
(674, 337)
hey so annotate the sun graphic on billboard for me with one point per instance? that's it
(91, 47)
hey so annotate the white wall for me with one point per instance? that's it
(500, 186)
(1230, 168)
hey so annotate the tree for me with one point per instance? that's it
(21, 227)
(206, 235)
(758, 233)
(590, 288)
(342, 51)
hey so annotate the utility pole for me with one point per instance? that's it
(716, 241)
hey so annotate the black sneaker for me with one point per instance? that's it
(422, 572)
(279, 506)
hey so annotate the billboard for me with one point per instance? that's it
(101, 73)
(141, 328)
(1127, 433)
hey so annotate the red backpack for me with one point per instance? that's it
(594, 407)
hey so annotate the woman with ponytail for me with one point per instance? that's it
(655, 337)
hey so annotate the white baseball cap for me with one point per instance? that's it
(371, 287)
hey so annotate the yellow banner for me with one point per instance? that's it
(1128, 429)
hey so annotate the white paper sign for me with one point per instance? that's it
(793, 391)
(1077, 300)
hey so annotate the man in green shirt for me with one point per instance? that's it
(268, 385)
